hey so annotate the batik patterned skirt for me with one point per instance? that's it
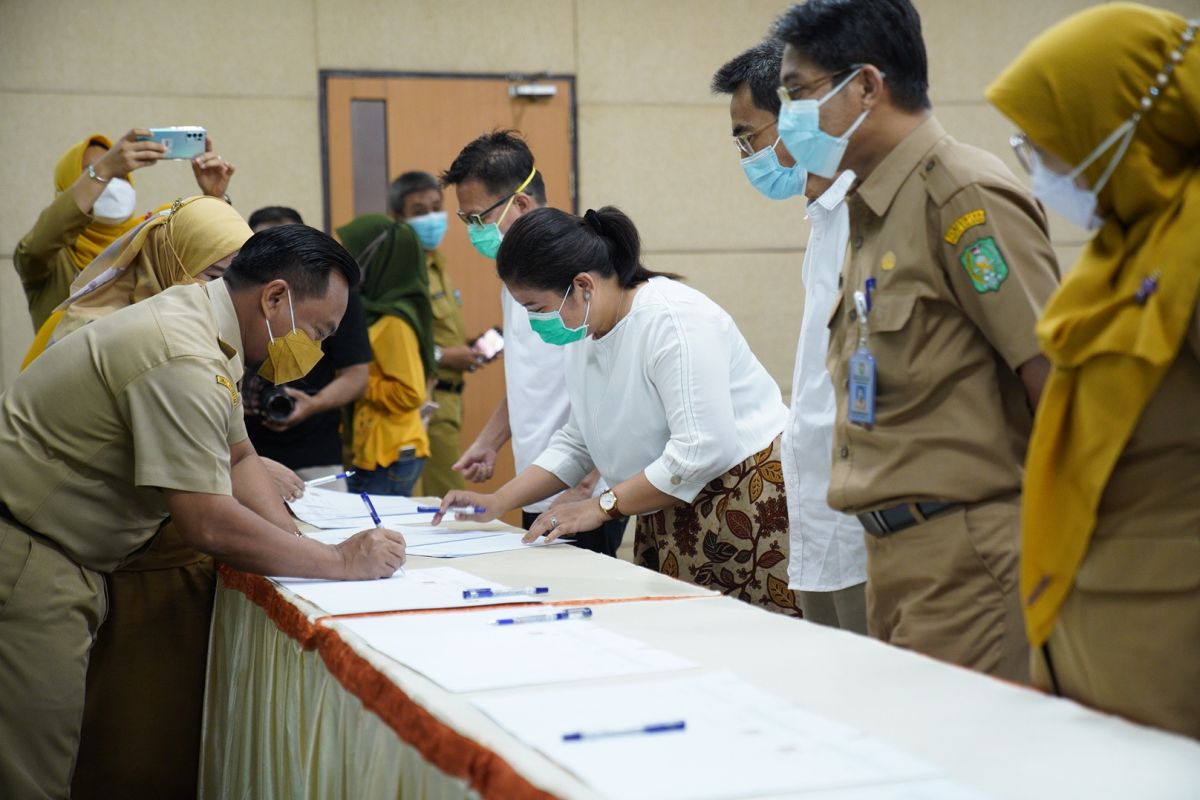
(732, 538)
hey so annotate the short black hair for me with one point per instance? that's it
(301, 255)
(501, 161)
(835, 34)
(409, 183)
(546, 249)
(759, 68)
(274, 215)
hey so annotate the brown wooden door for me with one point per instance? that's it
(377, 127)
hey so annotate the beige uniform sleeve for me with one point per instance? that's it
(58, 226)
(1001, 267)
(182, 419)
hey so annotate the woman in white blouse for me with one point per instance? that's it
(667, 402)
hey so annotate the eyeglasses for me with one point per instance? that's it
(787, 95)
(477, 219)
(744, 142)
(1025, 151)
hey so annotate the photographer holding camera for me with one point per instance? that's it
(294, 427)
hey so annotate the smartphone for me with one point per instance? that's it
(182, 142)
(489, 344)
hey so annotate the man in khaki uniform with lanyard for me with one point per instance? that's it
(932, 347)
(134, 417)
(416, 198)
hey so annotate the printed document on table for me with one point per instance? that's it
(413, 537)
(467, 651)
(482, 543)
(438, 587)
(738, 741)
(325, 508)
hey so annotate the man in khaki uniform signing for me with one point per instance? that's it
(133, 418)
(932, 348)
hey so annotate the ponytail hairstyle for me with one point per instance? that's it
(546, 248)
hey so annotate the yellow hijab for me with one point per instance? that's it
(1069, 89)
(98, 235)
(172, 247)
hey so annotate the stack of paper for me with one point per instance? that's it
(324, 508)
(726, 738)
(439, 587)
(438, 542)
(466, 650)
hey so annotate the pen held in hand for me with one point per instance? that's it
(366, 498)
(329, 479)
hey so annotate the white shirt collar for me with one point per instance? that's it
(836, 193)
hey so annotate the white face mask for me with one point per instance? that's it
(116, 203)
(1061, 193)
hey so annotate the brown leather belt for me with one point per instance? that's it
(447, 386)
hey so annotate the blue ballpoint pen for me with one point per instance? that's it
(466, 510)
(329, 478)
(657, 727)
(570, 613)
(474, 594)
(366, 498)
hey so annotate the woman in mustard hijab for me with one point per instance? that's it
(1108, 102)
(95, 203)
(145, 682)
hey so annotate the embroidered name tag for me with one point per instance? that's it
(228, 384)
(964, 224)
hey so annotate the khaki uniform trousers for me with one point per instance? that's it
(439, 477)
(947, 588)
(50, 611)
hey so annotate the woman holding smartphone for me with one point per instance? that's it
(667, 402)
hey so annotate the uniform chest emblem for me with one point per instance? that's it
(964, 223)
(888, 262)
(233, 392)
(985, 265)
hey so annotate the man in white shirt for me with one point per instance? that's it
(827, 567)
(495, 182)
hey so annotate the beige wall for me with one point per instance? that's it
(651, 137)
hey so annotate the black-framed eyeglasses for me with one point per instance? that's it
(787, 95)
(477, 219)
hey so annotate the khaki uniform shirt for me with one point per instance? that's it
(43, 258)
(449, 328)
(963, 264)
(143, 399)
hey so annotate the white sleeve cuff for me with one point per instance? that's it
(563, 467)
(667, 482)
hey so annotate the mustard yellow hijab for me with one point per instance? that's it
(1070, 88)
(171, 247)
(98, 235)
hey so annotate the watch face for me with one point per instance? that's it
(607, 501)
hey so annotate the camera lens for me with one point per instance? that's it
(277, 405)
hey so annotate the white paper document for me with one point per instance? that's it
(437, 542)
(467, 651)
(736, 740)
(324, 508)
(438, 587)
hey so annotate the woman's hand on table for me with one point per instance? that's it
(469, 503)
(567, 520)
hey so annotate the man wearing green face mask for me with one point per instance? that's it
(496, 183)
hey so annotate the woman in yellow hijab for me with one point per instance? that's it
(192, 240)
(1109, 105)
(95, 203)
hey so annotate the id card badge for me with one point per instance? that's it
(862, 387)
(861, 402)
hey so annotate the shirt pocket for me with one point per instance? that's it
(895, 337)
(442, 305)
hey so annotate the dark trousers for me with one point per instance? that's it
(605, 539)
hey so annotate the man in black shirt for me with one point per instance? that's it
(304, 438)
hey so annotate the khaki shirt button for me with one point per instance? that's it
(853, 315)
(841, 280)
(929, 165)
(858, 242)
(676, 480)
(844, 452)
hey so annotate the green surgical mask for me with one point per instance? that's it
(486, 238)
(549, 326)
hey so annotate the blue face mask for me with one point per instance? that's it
(775, 181)
(551, 329)
(430, 228)
(800, 129)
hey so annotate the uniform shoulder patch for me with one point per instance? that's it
(984, 263)
(233, 392)
(964, 223)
